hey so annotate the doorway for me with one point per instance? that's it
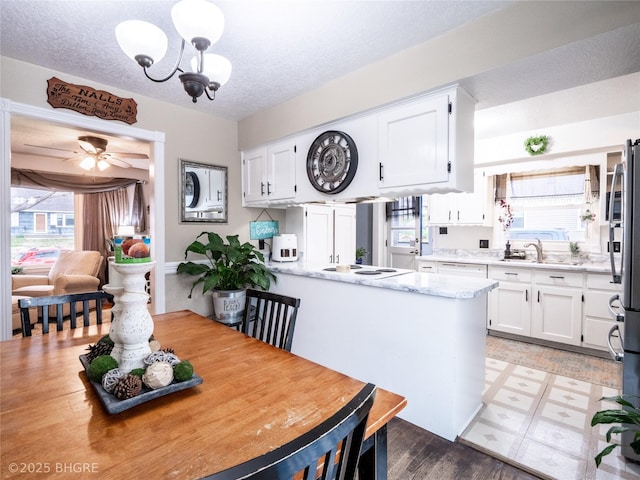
(10, 109)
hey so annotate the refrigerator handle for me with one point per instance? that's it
(617, 175)
(615, 312)
(617, 356)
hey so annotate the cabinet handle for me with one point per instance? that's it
(268, 188)
(380, 167)
(261, 188)
(557, 277)
(458, 215)
(526, 295)
(449, 215)
(337, 258)
(330, 258)
(219, 195)
(511, 273)
(538, 296)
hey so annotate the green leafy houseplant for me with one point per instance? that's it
(361, 252)
(628, 419)
(231, 265)
(574, 248)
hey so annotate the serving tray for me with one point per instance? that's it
(113, 405)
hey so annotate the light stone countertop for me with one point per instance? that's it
(590, 267)
(413, 282)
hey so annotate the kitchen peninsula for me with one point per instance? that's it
(420, 335)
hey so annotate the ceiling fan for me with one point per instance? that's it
(93, 154)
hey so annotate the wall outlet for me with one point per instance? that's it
(443, 230)
(484, 243)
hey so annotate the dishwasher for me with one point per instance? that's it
(462, 269)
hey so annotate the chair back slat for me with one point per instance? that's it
(270, 317)
(59, 301)
(334, 444)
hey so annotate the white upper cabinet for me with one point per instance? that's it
(269, 173)
(426, 145)
(423, 145)
(473, 208)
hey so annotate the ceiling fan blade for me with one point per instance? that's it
(136, 156)
(109, 158)
(50, 148)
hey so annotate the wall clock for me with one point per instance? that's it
(332, 161)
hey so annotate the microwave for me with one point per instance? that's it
(617, 206)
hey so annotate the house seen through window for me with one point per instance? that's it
(42, 223)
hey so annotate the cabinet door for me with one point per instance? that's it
(281, 171)
(319, 234)
(253, 175)
(557, 314)
(472, 207)
(344, 234)
(441, 208)
(510, 308)
(413, 143)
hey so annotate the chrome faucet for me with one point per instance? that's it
(538, 247)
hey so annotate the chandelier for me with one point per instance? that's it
(198, 22)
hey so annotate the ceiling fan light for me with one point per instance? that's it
(198, 19)
(141, 39)
(102, 165)
(88, 163)
(216, 67)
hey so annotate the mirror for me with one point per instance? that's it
(203, 193)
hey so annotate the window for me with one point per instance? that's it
(42, 223)
(548, 205)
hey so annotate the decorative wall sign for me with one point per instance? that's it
(262, 230)
(332, 161)
(89, 101)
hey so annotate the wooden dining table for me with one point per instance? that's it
(253, 398)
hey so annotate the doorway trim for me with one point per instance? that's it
(156, 200)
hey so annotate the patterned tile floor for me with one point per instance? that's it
(540, 422)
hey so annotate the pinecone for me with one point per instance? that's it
(127, 387)
(100, 348)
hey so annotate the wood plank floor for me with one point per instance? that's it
(414, 453)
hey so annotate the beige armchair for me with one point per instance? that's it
(73, 272)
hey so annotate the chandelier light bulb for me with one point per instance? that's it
(216, 67)
(198, 19)
(142, 39)
(102, 165)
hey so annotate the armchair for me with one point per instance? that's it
(73, 272)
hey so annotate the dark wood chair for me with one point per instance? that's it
(330, 450)
(59, 301)
(270, 317)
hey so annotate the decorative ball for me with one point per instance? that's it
(138, 372)
(154, 345)
(161, 356)
(110, 379)
(100, 366)
(183, 371)
(127, 387)
(158, 375)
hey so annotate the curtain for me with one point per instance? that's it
(404, 206)
(67, 183)
(139, 210)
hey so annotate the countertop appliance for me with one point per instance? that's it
(626, 179)
(284, 248)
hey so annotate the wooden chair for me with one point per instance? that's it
(270, 317)
(59, 302)
(330, 450)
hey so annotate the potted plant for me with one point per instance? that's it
(628, 420)
(361, 252)
(574, 248)
(230, 268)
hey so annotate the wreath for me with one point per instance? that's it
(536, 145)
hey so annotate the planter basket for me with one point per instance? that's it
(228, 305)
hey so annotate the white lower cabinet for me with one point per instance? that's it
(598, 320)
(556, 310)
(510, 303)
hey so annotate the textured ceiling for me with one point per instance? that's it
(282, 49)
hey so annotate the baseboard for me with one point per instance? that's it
(546, 343)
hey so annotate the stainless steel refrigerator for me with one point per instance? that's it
(626, 270)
